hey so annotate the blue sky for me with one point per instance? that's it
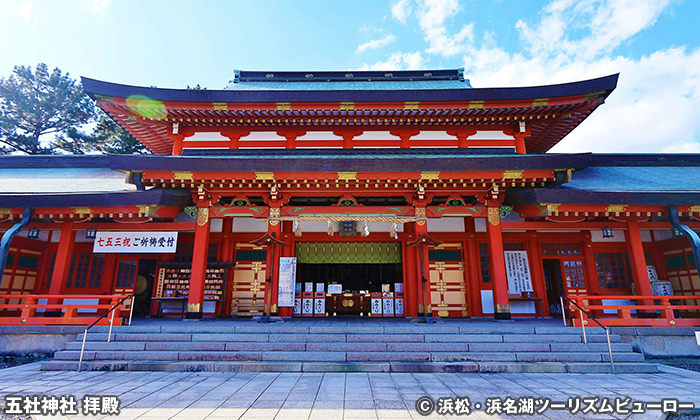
(654, 45)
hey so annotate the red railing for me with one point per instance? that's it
(654, 311)
(66, 313)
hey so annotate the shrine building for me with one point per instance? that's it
(358, 193)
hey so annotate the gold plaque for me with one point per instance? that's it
(183, 175)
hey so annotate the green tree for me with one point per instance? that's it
(33, 104)
(107, 137)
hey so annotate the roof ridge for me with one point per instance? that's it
(347, 76)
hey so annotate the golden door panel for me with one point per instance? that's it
(447, 288)
(248, 288)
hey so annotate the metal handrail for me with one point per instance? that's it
(583, 326)
(111, 324)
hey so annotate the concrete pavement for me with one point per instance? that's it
(329, 396)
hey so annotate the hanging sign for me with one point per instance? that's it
(135, 242)
(518, 272)
(287, 281)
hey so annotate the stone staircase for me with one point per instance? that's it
(314, 347)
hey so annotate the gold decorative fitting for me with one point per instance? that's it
(146, 210)
(553, 208)
(512, 175)
(82, 210)
(274, 212)
(420, 212)
(540, 102)
(476, 104)
(502, 309)
(411, 105)
(347, 106)
(443, 313)
(615, 208)
(284, 106)
(429, 176)
(183, 175)
(594, 95)
(5, 211)
(420, 222)
(203, 216)
(265, 176)
(347, 175)
(694, 209)
(193, 307)
(219, 106)
(494, 216)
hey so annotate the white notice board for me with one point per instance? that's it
(135, 242)
(518, 272)
(287, 280)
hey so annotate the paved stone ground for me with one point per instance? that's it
(331, 396)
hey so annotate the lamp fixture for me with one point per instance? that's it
(33, 233)
(607, 232)
(91, 233)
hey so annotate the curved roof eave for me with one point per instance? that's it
(603, 84)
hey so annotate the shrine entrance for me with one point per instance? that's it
(349, 278)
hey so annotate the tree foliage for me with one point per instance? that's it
(107, 137)
(33, 104)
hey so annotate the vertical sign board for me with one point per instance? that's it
(287, 281)
(135, 242)
(518, 272)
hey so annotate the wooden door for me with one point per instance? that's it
(127, 269)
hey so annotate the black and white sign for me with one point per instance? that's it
(518, 272)
(287, 281)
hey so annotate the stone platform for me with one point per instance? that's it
(350, 345)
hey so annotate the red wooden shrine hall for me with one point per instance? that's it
(322, 194)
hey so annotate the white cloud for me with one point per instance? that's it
(398, 61)
(432, 15)
(401, 10)
(376, 43)
(25, 10)
(610, 23)
(655, 105)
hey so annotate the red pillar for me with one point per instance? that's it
(501, 304)
(62, 266)
(520, 143)
(227, 256)
(275, 230)
(642, 285)
(423, 272)
(537, 271)
(177, 143)
(198, 273)
(63, 257)
(410, 301)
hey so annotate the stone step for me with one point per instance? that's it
(594, 347)
(314, 347)
(328, 356)
(283, 328)
(268, 366)
(350, 338)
